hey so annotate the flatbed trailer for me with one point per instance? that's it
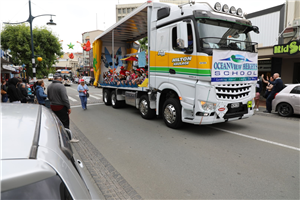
(208, 79)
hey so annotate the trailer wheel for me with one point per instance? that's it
(106, 97)
(114, 102)
(172, 113)
(144, 108)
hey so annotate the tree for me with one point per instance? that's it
(144, 43)
(17, 39)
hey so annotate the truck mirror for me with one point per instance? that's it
(182, 37)
(256, 29)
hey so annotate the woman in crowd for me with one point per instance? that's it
(82, 89)
(13, 91)
(39, 92)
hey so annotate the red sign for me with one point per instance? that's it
(221, 109)
(92, 70)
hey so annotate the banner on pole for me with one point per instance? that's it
(234, 67)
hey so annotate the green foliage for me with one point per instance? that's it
(144, 43)
(17, 38)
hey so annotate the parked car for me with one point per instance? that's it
(87, 79)
(50, 77)
(287, 101)
(31, 84)
(76, 80)
(38, 161)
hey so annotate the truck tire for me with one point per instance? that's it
(114, 102)
(144, 108)
(106, 97)
(172, 113)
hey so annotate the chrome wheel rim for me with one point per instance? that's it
(170, 113)
(113, 99)
(105, 97)
(144, 107)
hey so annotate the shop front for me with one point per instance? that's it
(283, 59)
(7, 70)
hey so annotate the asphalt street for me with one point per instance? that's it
(255, 158)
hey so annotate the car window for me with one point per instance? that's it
(50, 188)
(296, 90)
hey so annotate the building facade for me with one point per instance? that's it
(279, 40)
(87, 69)
(64, 62)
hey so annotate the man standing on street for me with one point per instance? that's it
(276, 87)
(59, 101)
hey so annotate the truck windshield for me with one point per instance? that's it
(217, 34)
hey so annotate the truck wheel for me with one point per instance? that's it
(172, 113)
(114, 102)
(106, 97)
(285, 110)
(145, 110)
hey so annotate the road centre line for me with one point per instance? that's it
(72, 99)
(95, 104)
(258, 139)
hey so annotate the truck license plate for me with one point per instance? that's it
(235, 105)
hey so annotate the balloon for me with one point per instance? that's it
(88, 48)
(71, 56)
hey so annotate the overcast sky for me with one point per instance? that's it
(74, 17)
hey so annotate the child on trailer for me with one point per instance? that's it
(145, 81)
(127, 79)
(138, 79)
(121, 80)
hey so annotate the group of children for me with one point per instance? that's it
(132, 78)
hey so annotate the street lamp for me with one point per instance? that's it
(29, 20)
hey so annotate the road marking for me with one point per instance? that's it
(95, 104)
(94, 97)
(100, 95)
(72, 99)
(258, 139)
(71, 88)
(79, 97)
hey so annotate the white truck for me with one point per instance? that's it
(202, 63)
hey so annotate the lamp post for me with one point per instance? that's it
(29, 20)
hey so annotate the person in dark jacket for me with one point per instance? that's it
(24, 93)
(39, 92)
(4, 97)
(59, 101)
(13, 91)
(277, 86)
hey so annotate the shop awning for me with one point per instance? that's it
(3, 61)
(131, 28)
(9, 68)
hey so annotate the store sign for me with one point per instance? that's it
(233, 66)
(290, 48)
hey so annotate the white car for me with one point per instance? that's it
(87, 79)
(287, 101)
(37, 158)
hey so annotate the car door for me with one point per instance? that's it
(295, 99)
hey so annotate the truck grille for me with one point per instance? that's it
(233, 91)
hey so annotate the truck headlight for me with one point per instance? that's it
(208, 106)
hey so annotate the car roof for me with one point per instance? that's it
(18, 129)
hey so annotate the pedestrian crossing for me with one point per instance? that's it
(76, 98)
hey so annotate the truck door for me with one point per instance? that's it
(162, 56)
(183, 61)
